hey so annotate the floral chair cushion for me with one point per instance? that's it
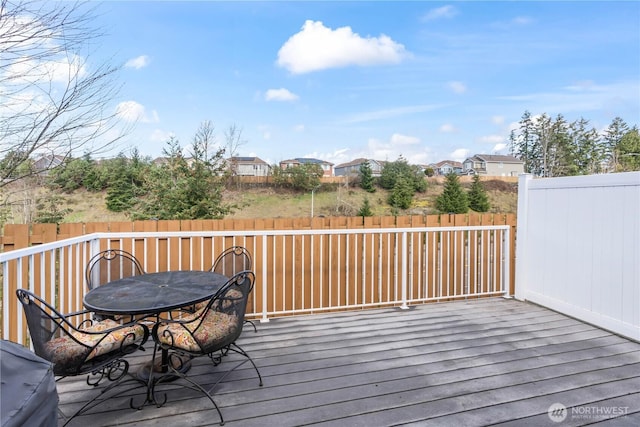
(187, 335)
(231, 294)
(65, 350)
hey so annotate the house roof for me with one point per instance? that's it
(448, 162)
(304, 160)
(247, 160)
(354, 162)
(496, 158)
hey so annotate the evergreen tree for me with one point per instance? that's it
(589, 155)
(453, 199)
(366, 178)
(478, 198)
(48, 210)
(611, 138)
(365, 209)
(560, 153)
(186, 190)
(401, 169)
(628, 150)
(522, 143)
(70, 176)
(402, 194)
(125, 182)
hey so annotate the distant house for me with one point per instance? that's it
(327, 167)
(248, 166)
(43, 164)
(446, 167)
(352, 168)
(493, 165)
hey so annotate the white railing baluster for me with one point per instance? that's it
(358, 268)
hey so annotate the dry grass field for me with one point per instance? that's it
(269, 202)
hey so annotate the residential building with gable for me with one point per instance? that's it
(493, 165)
(352, 168)
(248, 166)
(327, 167)
(445, 167)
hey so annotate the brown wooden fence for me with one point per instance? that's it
(17, 236)
(291, 286)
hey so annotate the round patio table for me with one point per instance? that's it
(150, 295)
(153, 293)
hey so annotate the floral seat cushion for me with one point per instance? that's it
(232, 294)
(66, 351)
(190, 334)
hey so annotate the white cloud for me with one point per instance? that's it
(264, 130)
(62, 70)
(522, 20)
(493, 139)
(131, 111)
(159, 135)
(407, 146)
(497, 120)
(440, 12)
(518, 21)
(581, 97)
(513, 126)
(280, 95)
(390, 113)
(582, 86)
(457, 87)
(299, 128)
(336, 157)
(447, 128)
(138, 62)
(499, 147)
(317, 47)
(398, 139)
(459, 154)
(380, 150)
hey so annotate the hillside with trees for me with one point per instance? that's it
(198, 183)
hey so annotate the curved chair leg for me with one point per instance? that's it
(252, 324)
(239, 350)
(194, 386)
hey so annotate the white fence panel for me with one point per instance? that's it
(578, 248)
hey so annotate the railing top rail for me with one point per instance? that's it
(18, 253)
(32, 250)
(226, 233)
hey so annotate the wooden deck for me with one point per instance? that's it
(465, 363)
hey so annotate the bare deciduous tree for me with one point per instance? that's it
(54, 103)
(233, 140)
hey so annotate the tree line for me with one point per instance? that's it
(552, 147)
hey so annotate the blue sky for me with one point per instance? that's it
(341, 80)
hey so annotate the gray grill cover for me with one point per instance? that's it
(28, 388)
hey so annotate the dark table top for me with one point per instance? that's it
(153, 292)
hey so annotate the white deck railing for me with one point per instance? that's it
(297, 271)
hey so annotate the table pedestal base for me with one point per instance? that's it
(160, 371)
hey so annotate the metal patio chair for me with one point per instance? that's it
(77, 345)
(211, 331)
(231, 261)
(111, 264)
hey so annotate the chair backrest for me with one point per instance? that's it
(227, 307)
(44, 322)
(232, 260)
(73, 351)
(109, 265)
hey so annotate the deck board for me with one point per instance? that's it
(480, 362)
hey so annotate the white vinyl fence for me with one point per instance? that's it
(578, 248)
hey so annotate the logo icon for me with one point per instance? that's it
(557, 412)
